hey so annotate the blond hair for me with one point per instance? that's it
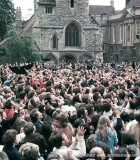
(102, 128)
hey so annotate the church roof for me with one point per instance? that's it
(131, 4)
(48, 2)
(99, 10)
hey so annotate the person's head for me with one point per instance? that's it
(31, 94)
(27, 89)
(103, 124)
(22, 95)
(54, 156)
(118, 154)
(94, 121)
(9, 138)
(29, 128)
(67, 102)
(90, 109)
(60, 139)
(105, 147)
(97, 153)
(122, 95)
(8, 104)
(29, 151)
(131, 115)
(106, 106)
(137, 116)
(128, 139)
(46, 129)
(3, 156)
(85, 98)
(61, 121)
(35, 115)
(96, 96)
(76, 99)
(77, 122)
(125, 116)
(81, 112)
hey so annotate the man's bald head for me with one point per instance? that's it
(97, 153)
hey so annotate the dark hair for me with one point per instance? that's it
(89, 108)
(94, 120)
(95, 96)
(28, 128)
(76, 99)
(106, 107)
(41, 108)
(1, 113)
(76, 90)
(20, 88)
(122, 95)
(67, 102)
(77, 122)
(108, 95)
(125, 116)
(27, 89)
(119, 152)
(72, 119)
(9, 137)
(81, 112)
(30, 154)
(34, 115)
(131, 116)
(22, 95)
(8, 104)
(128, 139)
(62, 120)
(46, 130)
(85, 98)
(31, 94)
(57, 140)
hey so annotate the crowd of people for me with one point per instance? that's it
(70, 112)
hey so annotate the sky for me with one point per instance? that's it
(27, 6)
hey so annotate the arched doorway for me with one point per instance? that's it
(68, 58)
(85, 57)
(49, 58)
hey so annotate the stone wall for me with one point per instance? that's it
(46, 25)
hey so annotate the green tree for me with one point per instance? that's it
(7, 17)
(20, 47)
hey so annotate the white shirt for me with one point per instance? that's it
(66, 108)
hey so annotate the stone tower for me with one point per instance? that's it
(127, 1)
(18, 20)
(64, 28)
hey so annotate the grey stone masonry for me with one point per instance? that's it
(48, 24)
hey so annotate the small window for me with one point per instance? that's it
(72, 3)
(55, 42)
(48, 10)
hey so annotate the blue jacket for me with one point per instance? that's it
(112, 138)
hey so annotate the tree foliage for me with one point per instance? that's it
(21, 48)
(7, 16)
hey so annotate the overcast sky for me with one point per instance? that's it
(27, 7)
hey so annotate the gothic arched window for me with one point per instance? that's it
(72, 35)
(72, 4)
(55, 42)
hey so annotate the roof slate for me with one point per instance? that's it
(131, 4)
(98, 10)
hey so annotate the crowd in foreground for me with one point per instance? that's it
(70, 112)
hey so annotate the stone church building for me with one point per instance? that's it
(64, 30)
